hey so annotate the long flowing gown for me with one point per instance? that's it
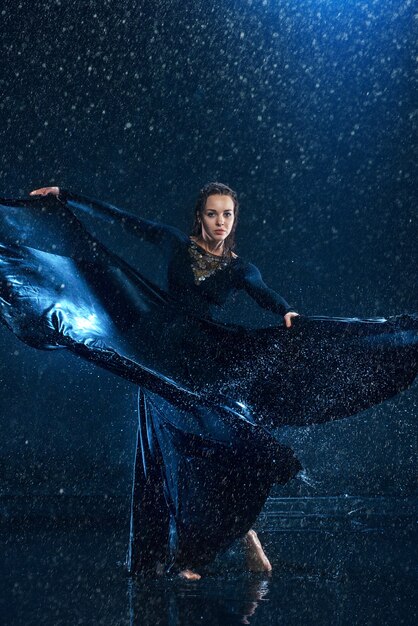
(210, 393)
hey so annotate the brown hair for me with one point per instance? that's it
(211, 189)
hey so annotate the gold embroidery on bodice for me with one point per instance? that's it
(205, 264)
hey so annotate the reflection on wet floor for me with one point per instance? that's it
(65, 574)
(217, 601)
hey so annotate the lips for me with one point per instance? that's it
(220, 232)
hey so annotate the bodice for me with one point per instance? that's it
(205, 264)
(200, 281)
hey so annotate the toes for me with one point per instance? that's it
(187, 574)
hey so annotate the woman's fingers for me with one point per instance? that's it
(288, 318)
(44, 191)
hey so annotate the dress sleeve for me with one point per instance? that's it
(265, 297)
(148, 230)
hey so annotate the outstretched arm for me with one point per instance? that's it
(145, 229)
(265, 297)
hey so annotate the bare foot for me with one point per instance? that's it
(256, 558)
(188, 574)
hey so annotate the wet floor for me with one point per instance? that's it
(342, 569)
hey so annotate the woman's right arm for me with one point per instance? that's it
(145, 229)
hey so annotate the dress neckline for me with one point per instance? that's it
(205, 264)
(216, 256)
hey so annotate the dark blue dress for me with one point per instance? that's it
(210, 393)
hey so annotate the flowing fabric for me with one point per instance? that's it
(209, 393)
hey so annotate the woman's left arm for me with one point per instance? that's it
(265, 297)
(151, 231)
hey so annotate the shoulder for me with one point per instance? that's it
(249, 269)
(244, 271)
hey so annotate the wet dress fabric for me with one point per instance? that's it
(210, 393)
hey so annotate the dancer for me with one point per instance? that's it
(209, 393)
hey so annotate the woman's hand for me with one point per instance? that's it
(287, 318)
(44, 191)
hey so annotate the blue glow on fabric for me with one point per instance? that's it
(209, 393)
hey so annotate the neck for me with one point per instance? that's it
(215, 247)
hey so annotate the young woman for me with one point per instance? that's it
(208, 392)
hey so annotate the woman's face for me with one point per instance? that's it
(217, 217)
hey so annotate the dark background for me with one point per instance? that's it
(304, 107)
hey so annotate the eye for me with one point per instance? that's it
(228, 214)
